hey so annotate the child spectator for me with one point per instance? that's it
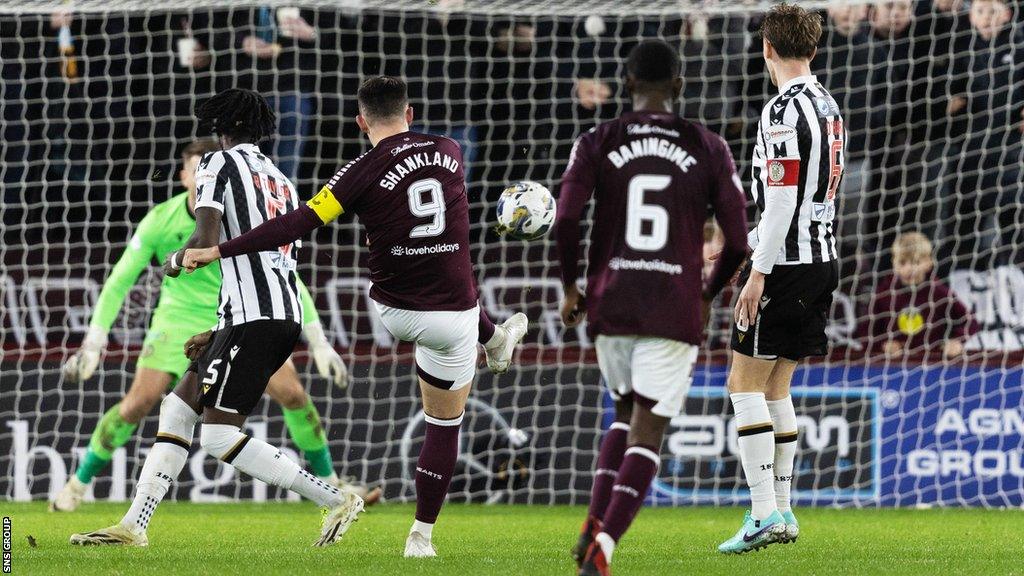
(915, 312)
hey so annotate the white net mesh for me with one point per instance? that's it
(97, 104)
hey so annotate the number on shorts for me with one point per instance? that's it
(433, 208)
(211, 372)
(637, 213)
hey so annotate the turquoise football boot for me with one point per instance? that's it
(755, 534)
(792, 528)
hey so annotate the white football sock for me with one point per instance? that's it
(757, 450)
(164, 461)
(607, 544)
(784, 422)
(261, 460)
(423, 528)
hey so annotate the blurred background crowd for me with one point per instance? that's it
(96, 107)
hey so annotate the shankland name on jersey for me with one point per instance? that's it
(409, 193)
(248, 189)
(798, 164)
(411, 163)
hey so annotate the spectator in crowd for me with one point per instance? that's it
(273, 51)
(987, 213)
(913, 312)
(841, 64)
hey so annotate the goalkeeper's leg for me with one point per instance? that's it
(115, 428)
(307, 432)
(780, 406)
(178, 418)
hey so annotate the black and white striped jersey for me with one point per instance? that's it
(797, 169)
(248, 189)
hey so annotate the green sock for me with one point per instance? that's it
(110, 434)
(307, 433)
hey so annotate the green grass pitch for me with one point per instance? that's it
(255, 540)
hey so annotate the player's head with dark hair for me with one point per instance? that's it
(190, 157)
(791, 32)
(383, 100)
(653, 71)
(237, 115)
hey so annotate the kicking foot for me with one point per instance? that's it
(70, 496)
(116, 535)
(792, 528)
(499, 358)
(418, 546)
(755, 534)
(337, 520)
(591, 527)
(369, 495)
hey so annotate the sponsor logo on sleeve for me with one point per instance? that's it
(826, 106)
(783, 172)
(204, 177)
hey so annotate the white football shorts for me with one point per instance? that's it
(656, 368)
(446, 352)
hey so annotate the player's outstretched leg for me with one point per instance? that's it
(163, 463)
(609, 459)
(763, 524)
(305, 428)
(114, 429)
(260, 460)
(500, 341)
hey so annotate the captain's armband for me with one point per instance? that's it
(325, 205)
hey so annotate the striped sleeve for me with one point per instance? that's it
(778, 177)
(212, 181)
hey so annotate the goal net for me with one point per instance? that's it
(97, 105)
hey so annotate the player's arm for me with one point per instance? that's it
(135, 258)
(729, 206)
(779, 180)
(212, 185)
(576, 190)
(328, 363)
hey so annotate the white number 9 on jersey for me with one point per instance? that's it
(434, 207)
(637, 212)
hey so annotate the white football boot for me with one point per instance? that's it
(418, 546)
(116, 535)
(499, 358)
(337, 520)
(70, 496)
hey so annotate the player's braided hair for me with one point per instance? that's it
(239, 114)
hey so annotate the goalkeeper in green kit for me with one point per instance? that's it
(187, 306)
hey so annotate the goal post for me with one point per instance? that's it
(97, 104)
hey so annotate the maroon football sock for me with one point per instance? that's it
(613, 445)
(486, 327)
(435, 466)
(638, 468)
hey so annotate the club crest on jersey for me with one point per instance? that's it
(783, 172)
(779, 133)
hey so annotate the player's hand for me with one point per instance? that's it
(172, 265)
(573, 307)
(199, 257)
(955, 105)
(196, 345)
(748, 301)
(82, 364)
(953, 348)
(327, 360)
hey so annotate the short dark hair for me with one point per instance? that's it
(239, 114)
(383, 97)
(199, 147)
(792, 31)
(653, 61)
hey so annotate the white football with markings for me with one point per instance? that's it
(526, 210)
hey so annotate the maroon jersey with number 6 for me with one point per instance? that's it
(409, 192)
(654, 178)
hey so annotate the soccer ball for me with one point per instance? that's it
(526, 210)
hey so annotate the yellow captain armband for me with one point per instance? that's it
(325, 205)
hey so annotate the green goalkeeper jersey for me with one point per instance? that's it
(191, 298)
